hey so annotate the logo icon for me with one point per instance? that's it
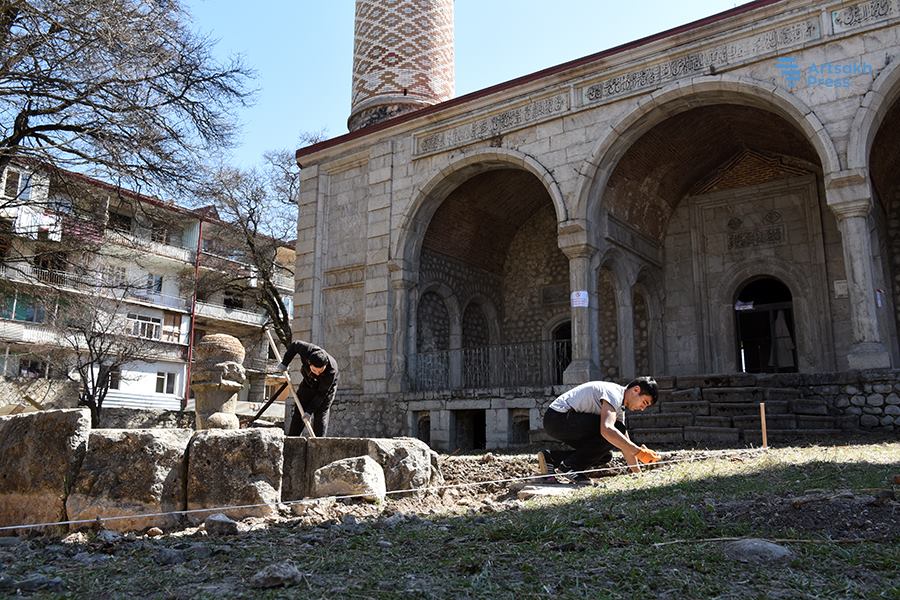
(789, 70)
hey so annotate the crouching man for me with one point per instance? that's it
(591, 419)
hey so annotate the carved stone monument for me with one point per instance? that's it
(218, 377)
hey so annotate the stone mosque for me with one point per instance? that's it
(716, 205)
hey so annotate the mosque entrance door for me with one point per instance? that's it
(764, 322)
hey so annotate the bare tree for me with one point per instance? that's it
(95, 336)
(260, 211)
(122, 89)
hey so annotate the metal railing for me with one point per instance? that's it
(504, 365)
(219, 311)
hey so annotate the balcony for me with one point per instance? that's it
(25, 273)
(506, 365)
(28, 333)
(237, 315)
(144, 242)
(283, 281)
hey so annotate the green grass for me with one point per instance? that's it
(599, 543)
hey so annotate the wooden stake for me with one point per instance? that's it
(762, 421)
(293, 392)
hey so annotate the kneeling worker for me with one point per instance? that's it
(591, 419)
(318, 388)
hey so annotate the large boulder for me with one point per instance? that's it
(228, 467)
(131, 472)
(356, 476)
(40, 454)
(409, 465)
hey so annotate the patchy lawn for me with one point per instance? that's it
(655, 535)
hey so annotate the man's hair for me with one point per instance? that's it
(318, 358)
(648, 387)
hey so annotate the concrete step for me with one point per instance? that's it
(772, 421)
(703, 421)
(814, 422)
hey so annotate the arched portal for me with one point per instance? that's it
(493, 239)
(707, 193)
(764, 327)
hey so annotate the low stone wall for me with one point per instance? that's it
(145, 418)
(366, 415)
(48, 393)
(53, 467)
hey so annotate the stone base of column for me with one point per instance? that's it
(869, 355)
(580, 371)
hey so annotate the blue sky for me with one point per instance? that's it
(302, 50)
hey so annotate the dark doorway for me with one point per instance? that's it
(764, 322)
(561, 350)
(468, 429)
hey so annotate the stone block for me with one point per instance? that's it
(131, 472)
(734, 409)
(712, 434)
(703, 421)
(742, 394)
(667, 435)
(660, 421)
(409, 465)
(772, 422)
(791, 436)
(716, 381)
(356, 476)
(695, 408)
(869, 421)
(293, 481)
(782, 394)
(235, 468)
(40, 454)
(814, 422)
(804, 406)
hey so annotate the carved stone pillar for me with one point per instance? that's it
(217, 378)
(402, 285)
(585, 346)
(849, 197)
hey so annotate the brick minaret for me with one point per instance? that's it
(402, 58)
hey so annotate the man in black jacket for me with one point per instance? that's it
(319, 385)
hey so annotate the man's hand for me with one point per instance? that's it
(646, 455)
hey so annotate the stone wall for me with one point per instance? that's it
(49, 393)
(535, 279)
(370, 415)
(609, 328)
(692, 410)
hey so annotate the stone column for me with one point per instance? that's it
(402, 284)
(849, 197)
(217, 379)
(625, 314)
(584, 319)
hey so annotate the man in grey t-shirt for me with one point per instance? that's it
(591, 419)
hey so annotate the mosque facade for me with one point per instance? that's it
(720, 200)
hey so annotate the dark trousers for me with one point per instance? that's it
(581, 431)
(319, 410)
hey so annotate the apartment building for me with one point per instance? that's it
(146, 272)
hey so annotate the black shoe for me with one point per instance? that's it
(569, 474)
(545, 463)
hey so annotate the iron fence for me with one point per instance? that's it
(503, 365)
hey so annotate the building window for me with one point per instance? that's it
(154, 283)
(143, 326)
(32, 368)
(233, 299)
(11, 186)
(119, 222)
(29, 310)
(171, 331)
(114, 276)
(115, 378)
(165, 382)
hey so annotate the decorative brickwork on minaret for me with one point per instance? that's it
(402, 58)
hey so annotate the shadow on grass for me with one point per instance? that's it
(599, 543)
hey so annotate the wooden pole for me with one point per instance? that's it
(293, 392)
(762, 421)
